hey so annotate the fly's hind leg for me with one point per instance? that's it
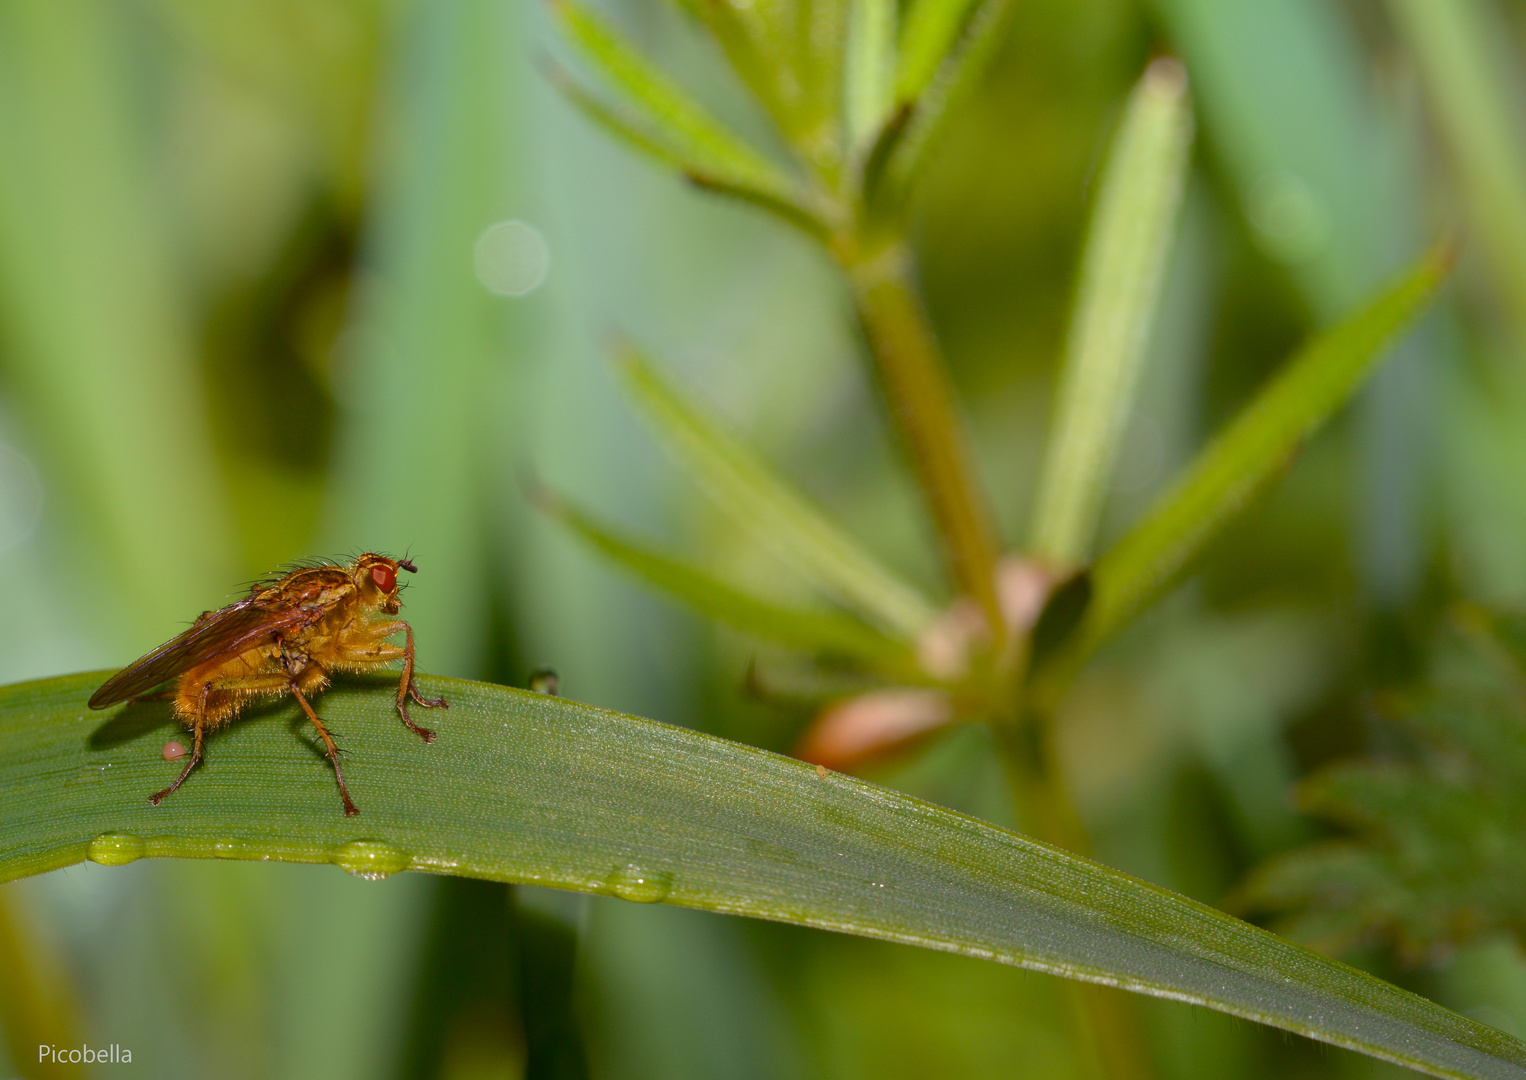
(201, 722)
(256, 683)
(350, 809)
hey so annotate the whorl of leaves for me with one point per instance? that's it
(1434, 854)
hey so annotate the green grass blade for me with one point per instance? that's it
(774, 513)
(427, 339)
(100, 347)
(1467, 86)
(869, 73)
(1121, 272)
(672, 119)
(528, 788)
(927, 34)
(818, 632)
(1255, 446)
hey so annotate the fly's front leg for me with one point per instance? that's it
(371, 646)
(408, 688)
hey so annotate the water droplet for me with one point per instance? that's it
(370, 859)
(638, 884)
(115, 849)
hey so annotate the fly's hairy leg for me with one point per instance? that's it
(195, 759)
(370, 644)
(350, 809)
(408, 688)
(244, 682)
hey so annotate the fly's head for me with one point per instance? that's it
(375, 578)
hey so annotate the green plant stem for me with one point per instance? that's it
(921, 404)
(1101, 1017)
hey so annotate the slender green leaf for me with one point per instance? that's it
(529, 788)
(1121, 272)
(774, 513)
(671, 119)
(629, 127)
(927, 34)
(790, 54)
(809, 631)
(1255, 447)
(956, 76)
(623, 123)
(1461, 60)
(869, 73)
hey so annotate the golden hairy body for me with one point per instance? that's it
(287, 637)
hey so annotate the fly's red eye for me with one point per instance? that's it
(385, 577)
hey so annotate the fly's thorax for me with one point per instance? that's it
(319, 585)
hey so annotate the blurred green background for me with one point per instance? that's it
(247, 315)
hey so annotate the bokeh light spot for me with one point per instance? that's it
(511, 258)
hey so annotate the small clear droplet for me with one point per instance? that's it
(638, 884)
(115, 849)
(371, 860)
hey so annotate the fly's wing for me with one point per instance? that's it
(226, 632)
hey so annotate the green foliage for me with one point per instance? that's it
(810, 631)
(241, 326)
(1463, 73)
(530, 788)
(856, 96)
(1121, 272)
(1254, 448)
(1432, 858)
(674, 124)
(768, 507)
